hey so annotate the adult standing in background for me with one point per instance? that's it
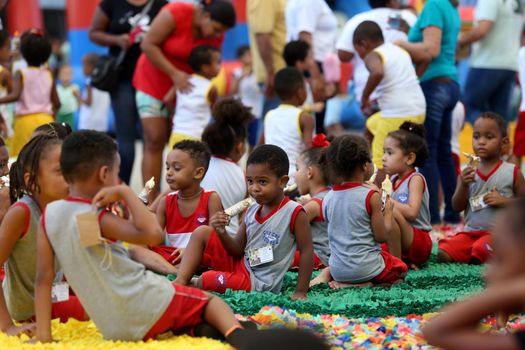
(494, 58)
(436, 33)
(178, 29)
(112, 22)
(267, 29)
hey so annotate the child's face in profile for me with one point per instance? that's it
(263, 185)
(301, 176)
(361, 47)
(212, 70)
(394, 159)
(4, 161)
(487, 139)
(50, 180)
(181, 170)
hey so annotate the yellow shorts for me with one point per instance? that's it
(175, 137)
(380, 127)
(23, 127)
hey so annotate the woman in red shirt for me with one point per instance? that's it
(177, 29)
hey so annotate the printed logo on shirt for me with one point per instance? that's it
(403, 198)
(271, 238)
(221, 281)
(201, 219)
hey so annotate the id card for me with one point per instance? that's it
(88, 229)
(60, 292)
(260, 256)
(477, 203)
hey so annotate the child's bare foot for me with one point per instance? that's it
(323, 277)
(340, 285)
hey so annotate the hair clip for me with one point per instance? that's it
(320, 141)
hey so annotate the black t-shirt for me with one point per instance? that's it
(121, 14)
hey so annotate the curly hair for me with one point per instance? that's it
(345, 154)
(411, 139)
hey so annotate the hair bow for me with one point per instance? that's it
(320, 141)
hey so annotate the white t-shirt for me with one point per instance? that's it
(346, 39)
(458, 119)
(228, 180)
(499, 49)
(521, 71)
(399, 93)
(249, 92)
(96, 116)
(192, 112)
(314, 17)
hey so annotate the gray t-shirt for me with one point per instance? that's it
(123, 299)
(356, 256)
(401, 194)
(319, 230)
(277, 231)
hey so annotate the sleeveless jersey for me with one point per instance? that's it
(36, 93)
(355, 255)
(502, 177)
(275, 230)
(20, 267)
(282, 128)
(401, 194)
(192, 112)
(319, 230)
(123, 299)
(180, 228)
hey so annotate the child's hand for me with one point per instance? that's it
(182, 83)
(108, 195)
(494, 198)
(28, 329)
(468, 176)
(219, 221)
(318, 107)
(298, 296)
(389, 206)
(176, 256)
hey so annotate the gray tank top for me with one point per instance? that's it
(123, 299)
(319, 230)
(502, 177)
(275, 231)
(355, 255)
(20, 267)
(401, 194)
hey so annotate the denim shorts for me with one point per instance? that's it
(150, 107)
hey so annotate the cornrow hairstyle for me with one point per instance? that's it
(345, 154)
(498, 119)
(56, 129)
(197, 150)
(231, 119)
(411, 139)
(29, 161)
(274, 156)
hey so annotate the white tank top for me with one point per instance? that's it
(282, 128)
(192, 112)
(399, 93)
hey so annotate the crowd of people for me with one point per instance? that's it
(78, 243)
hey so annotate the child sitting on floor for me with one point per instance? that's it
(288, 126)
(182, 211)
(257, 258)
(405, 152)
(482, 189)
(124, 300)
(457, 327)
(356, 225)
(226, 138)
(312, 180)
(35, 181)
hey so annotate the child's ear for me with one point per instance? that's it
(504, 147)
(310, 172)
(102, 174)
(199, 173)
(411, 158)
(283, 181)
(26, 179)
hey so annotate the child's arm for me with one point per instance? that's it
(11, 230)
(379, 222)
(374, 64)
(54, 97)
(234, 245)
(213, 95)
(306, 251)
(312, 209)
(89, 96)
(160, 212)
(14, 94)
(416, 188)
(141, 229)
(307, 125)
(460, 197)
(44, 281)
(76, 93)
(214, 204)
(457, 326)
(495, 199)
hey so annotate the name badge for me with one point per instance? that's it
(88, 229)
(477, 203)
(260, 256)
(60, 292)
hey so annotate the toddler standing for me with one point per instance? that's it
(69, 95)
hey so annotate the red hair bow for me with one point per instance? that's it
(320, 141)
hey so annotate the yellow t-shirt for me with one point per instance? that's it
(267, 16)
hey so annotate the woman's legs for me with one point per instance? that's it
(156, 131)
(126, 117)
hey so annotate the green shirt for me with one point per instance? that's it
(441, 14)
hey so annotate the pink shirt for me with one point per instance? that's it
(36, 91)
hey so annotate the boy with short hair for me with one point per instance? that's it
(124, 300)
(393, 77)
(481, 190)
(288, 126)
(257, 258)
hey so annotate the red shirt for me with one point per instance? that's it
(177, 47)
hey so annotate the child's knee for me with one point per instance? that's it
(201, 234)
(443, 256)
(480, 252)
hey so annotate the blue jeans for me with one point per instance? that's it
(488, 90)
(126, 119)
(441, 98)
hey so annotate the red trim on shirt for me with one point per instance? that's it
(102, 213)
(346, 186)
(486, 177)
(261, 220)
(294, 216)
(324, 189)
(78, 199)
(402, 180)
(367, 201)
(424, 182)
(28, 216)
(514, 175)
(320, 202)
